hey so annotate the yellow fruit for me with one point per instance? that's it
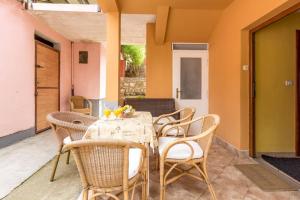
(123, 108)
(118, 112)
(107, 112)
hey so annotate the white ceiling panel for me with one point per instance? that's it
(78, 26)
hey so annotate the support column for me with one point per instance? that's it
(113, 58)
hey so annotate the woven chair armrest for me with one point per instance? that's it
(162, 117)
(167, 115)
(90, 117)
(201, 136)
(174, 124)
(178, 124)
(67, 125)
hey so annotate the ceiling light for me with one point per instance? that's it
(65, 7)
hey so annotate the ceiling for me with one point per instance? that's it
(136, 14)
(150, 6)
(91, 27)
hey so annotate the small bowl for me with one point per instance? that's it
(128, 115)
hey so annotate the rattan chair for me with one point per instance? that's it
(78, 104)
(110, 167)
(67, 127)
(165, 122)
(186, 154)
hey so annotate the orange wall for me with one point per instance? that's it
(159, 67)
(182, 27)
(191, 25)
(227, 33)
(229, 85)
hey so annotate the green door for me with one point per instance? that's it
(275, 68)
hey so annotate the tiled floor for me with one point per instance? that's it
(19, 161)
(227, 181)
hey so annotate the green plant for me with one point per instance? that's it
(134, 56)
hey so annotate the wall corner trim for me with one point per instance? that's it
(16, 137)
(231, 148)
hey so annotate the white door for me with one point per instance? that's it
(190, 81)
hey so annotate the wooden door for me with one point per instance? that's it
(46, 83)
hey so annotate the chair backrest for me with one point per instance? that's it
(209, 124)
(78, 101)
(105, 163)
(187, 115)
(69, 124)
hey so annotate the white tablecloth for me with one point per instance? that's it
(138, 128)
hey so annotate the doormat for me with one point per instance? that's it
(265, 178)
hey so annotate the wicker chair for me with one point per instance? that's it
(164, 122)
(110, 167)
(186, 154)
(77, 104)
(67, 127)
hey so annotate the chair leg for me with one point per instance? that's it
(210, 187)
(157, 162)
(85, 194)
(126, 194)
(93, 193)
(56, 163)
(144, 187)
(68, 157)
(162, 182)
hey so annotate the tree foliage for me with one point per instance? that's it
(134, 56)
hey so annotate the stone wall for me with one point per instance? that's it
(132, 87)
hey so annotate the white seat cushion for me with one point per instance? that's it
(174, 131)
(67, 140)
(134, 162)
(179, 151)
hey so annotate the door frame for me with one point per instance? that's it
(297, 139)
(281, 15)
(35, 83)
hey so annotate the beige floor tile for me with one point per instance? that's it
(228, 182)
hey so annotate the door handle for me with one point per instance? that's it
(36, 93)
(39, 66)
(177, 93)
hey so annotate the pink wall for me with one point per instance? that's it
(87, 76)
(17, 54)
(103, 71)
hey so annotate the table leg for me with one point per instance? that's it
(148, 172)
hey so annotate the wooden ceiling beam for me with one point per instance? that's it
(161, 24)
(109, 5)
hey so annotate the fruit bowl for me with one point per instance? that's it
(128, 114)
(126, 111)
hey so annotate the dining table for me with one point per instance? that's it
(137, 128)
